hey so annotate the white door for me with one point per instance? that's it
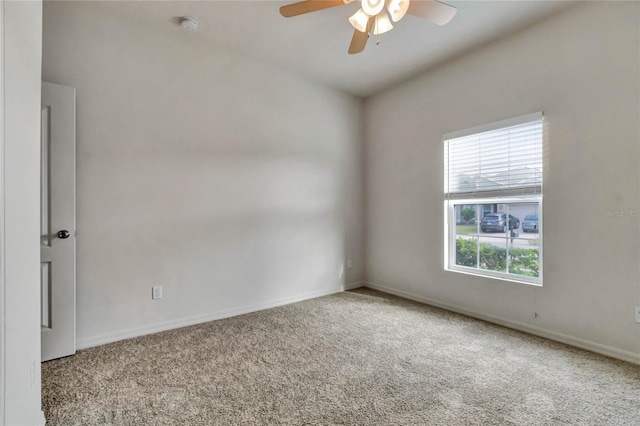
(58, 221)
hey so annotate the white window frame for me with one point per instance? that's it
(507, 196)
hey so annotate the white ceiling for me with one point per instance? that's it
(315, 44)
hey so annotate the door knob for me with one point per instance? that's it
(63, 234)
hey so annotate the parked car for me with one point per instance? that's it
(530, 223)
(497, 222)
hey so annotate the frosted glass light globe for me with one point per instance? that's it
(372, 7)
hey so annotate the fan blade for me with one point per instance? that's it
(307, 6)
(359, 39)
(432, 10)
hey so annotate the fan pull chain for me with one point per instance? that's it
(375, 31)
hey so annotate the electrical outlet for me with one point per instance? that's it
(156, 292)
(349, 264)
(638, 314)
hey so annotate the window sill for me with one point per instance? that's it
(536, 282)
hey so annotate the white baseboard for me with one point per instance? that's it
(40, 419)
(547, 334)
(212, 316)
(197, 319)
(355, 285)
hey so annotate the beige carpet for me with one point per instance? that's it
(357, 358)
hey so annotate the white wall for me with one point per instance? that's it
(581, 68)
(22, 22)
(228, 182)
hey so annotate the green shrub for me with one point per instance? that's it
(524, 262)
(521, 261)
(466, 251)
(467, 214)
(493, 258)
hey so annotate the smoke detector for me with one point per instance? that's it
(189, 24)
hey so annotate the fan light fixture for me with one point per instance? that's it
(372, 7)
(375, 9)
(397, 9)
(359, 20)
(372, 17)
(383, 24)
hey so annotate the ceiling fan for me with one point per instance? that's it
(372, 17)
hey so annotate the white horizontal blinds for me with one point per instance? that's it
(498, 162)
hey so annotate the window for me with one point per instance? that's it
(493, 199)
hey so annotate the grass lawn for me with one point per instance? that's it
(466, 229)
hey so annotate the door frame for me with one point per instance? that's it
(20, 56)
(2, 230)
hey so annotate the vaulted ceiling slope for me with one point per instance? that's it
(315, 44)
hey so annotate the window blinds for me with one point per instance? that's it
(499, 159)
